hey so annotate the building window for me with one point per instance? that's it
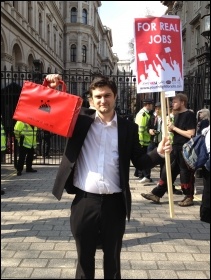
(54, 39)
(30, 13)
(73, 15)
(197, 38)
(40, 24)
(15, 4)
(84, 54)
(73, 53)
(84, 16)
(60, 49)
(48, 35)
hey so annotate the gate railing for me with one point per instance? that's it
(77, 82)
(128, 103)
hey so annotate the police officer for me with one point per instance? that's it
(26, 136)
(142, 120)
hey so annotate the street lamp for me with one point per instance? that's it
(206, 27)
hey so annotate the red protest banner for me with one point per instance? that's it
(158, 52)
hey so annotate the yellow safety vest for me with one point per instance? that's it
(28, 133)
(142, 119)
(3, 139)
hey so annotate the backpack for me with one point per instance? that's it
(195, 152)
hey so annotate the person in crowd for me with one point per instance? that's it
(155, 128)
(203, 120)
(142, 119)
(26, 136)
(183, 129)
(3, 147)
(155, 125)
(46, 143)
(95, 167)
(205, 203)
(170, 118)
(203, 116)
(3, 142)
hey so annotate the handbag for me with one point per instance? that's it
(47, 108)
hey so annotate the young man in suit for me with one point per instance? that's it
(95, 167)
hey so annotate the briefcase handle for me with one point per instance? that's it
(64, 88)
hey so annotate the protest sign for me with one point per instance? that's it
(158, 52)
(170, 93)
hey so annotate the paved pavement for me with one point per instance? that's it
(37, 242)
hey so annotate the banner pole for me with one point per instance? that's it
(167, 156)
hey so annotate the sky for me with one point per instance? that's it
(119, 17)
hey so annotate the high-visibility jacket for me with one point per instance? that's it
(142, 119)
(26, 133)
(3, 139)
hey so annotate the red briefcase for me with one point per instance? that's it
(48, 108)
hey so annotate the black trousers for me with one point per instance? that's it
(205, 204)
(92, 215)
(25, 153)
(178, 167)
(46, 142)
(144, 172)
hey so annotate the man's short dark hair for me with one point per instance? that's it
(102, 81)
(182, 97)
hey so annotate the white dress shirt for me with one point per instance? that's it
(97, 167)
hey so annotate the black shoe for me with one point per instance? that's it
(31, 170)
(19, 173)
(2, 192)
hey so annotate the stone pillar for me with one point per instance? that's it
(79, 48)
(79, 11)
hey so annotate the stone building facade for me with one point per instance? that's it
(191, 14)
(55, 36)
(196, 48)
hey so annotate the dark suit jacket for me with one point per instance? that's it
(129, 150)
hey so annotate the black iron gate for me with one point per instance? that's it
(77, 83)
(197, 83)
(197, 88)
